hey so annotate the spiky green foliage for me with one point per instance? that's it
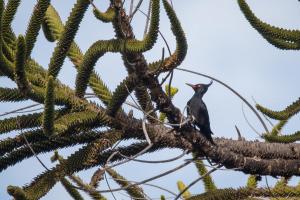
(78, 121)
(279, 37)
(53, 28)
(81, 159)
(11, 95)
(67, 37)
(78, 181)
(283, 138)
(52, 25)
(106, 16)
(21, 78)
(9, 144)
(88, 188)
(121, 93)
(95, 195)
(48, 119)
(71, 190)
(17, 193)
(178, 56)
(7, 66)
(252, 181)
(8, 16)
(288, 112)
(35, 24)
(8, 52)
(282, 44)
(282, 183)
(208, 182)
(181, 187)
(42, 144)
(144, 101)
(135, 191)
(34, 68)
(20, 122)
(278, 127)
(99, 48)
(283, 39)
(284, 116)
(9, 39)
(100, 88)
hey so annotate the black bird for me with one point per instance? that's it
(196, 108)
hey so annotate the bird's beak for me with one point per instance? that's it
(191, 85)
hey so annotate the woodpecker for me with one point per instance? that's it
(196, 109)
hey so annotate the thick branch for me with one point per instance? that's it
(261, 149)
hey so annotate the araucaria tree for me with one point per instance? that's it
(70, 118)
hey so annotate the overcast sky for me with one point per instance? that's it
(221, 44)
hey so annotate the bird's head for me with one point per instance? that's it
(200, 88)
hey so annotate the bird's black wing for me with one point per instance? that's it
(207, 121)
(188, 108)
(188, 111)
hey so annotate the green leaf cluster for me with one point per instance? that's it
(279, 37)
(67, 117)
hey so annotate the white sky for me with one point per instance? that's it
(221, 43)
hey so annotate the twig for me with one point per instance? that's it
(99, 172)
(232, 90)
(135, 197)
(148, 115)
(150, 144)
(212, 167)
(145, 129)
(112, 193)
(29, 111)
(184, 109)
(92, 3)
(162, 36)
(136, 104)
(151, 185)
(195, 181)
(161, 61)
(156, 161)
(19, 109)
(267, 183)
(165, 78)
(135, 10)
(239, 133)
(149, 179)
(111, 157)
(81, 185)
(131, 7)
(144, 118)
(165, 123)
(127, 160)
(127, 61)
(31, 149)
(249, 124)
(170, 83)
(148, 19)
